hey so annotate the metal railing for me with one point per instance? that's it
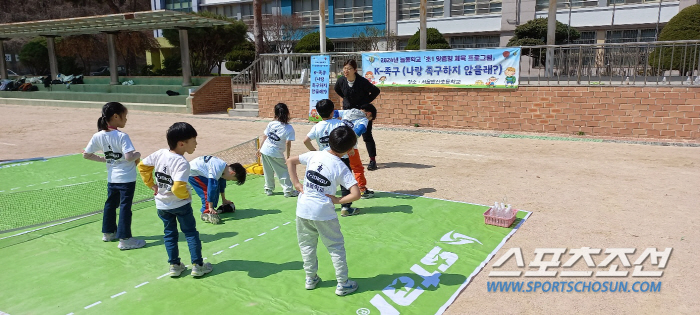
(639, 63)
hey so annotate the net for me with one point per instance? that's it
(30, 208)
(244, 153)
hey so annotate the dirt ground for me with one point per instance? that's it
(581, 194)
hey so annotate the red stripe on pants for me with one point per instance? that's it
(206, 195)
(358, 170)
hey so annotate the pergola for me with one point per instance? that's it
(110, 25)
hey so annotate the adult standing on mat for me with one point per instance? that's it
(357, 91)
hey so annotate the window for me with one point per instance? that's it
(630, 36)
(472, 7)
(587, 37)
(307, 10)
(410, 9)
(344, 46)
(353, 11)
(475, 41)
(179, 5)
(625, 2)
(401, 45)
(541, 5)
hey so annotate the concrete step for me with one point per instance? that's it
(250, 99)
(242, 112)
(247, 106)
(254, 94)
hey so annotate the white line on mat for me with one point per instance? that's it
(250, 239)
(286, 223)
(1, 191)
(15, 188)
(97, 172)
(72, 177)
(219, 252)
(93, 304)
(118, 294)
(261, 234)
(142, 284)
(45, 182)
(232, 246)
(164, 275)
(66, 314)
(274, 228)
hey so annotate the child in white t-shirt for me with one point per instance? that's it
(277, 137)
(358, 120)
(208, 176)
(121, 159)
(173, 199)
(315, 206)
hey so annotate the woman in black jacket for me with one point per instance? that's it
(355, 91)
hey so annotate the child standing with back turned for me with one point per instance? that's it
(315, 206)
(121, 159)
(173, 199)
(277, 137)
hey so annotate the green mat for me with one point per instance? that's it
(409, 255)
(48, 173)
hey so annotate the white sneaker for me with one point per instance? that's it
(268, 192)
(131, 243)
(346, 288)
(212, 218)
(293, 193)
(312, 282)
(108, 237)
(198, 271)
(176, 270)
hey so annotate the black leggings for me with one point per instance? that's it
(369, 141)
(343, 190)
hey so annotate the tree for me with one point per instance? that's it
(435, 40)
(534, 33)
(280, 32)
(684, 26)
(209, 45)
(240, 57)
(311, 43)
(85, 48)
(370, 39)
(258, 28)
(35, 56)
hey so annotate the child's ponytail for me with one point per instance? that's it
(109, 110)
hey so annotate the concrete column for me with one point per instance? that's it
(527, 11)
(112, 52)
(603, 3)
(322, 24)
(3, 66)
(53, 64)
(551, 31)
(447, 8)
(185, 57)
(423, 24)
(686, 3)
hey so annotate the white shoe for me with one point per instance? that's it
(198, 271)
(312, 282)
(269, 192)
(176, 270)
(108, 237)
(212, 217)
(346, 288)
(293, 193)
(131, 243)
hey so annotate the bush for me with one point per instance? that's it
(311, 43)
(241, 56)
(67, 66)
(435, 40)
(35, 56)
(534, 33)
(684, 26)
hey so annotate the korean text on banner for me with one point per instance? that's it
(320, 74)
(464, 68)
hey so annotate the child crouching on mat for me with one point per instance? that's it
(208, 176)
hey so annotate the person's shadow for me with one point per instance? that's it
(405, 165)
(256, 269)
(205, 238)
(380, 282)
(417, 192)
(387, 209)
(242, 214)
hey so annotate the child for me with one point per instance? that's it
(173, 199)
(208, 176)
(320, 132)
(358, 120)
(277, 134)
(315, 206)
(121, 159)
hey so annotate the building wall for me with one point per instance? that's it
(643, 112)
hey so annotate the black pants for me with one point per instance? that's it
(369, 141)
(343, 190)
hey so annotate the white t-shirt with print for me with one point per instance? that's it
(277, 136)
(324, 172)
(207, 166)
(321, 131)
(114, 144)
(169, 168)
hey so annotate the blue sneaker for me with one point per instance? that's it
(346, 288)
(312, 282)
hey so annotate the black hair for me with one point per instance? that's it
(180, 131)
(351, 62)
(240, 172)
(282, 113)
(342, 139)
(370, 108)
(109, 110)
(325, 108)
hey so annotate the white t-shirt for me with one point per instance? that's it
(322, 130)
(169, 168)
(114, 144)
(324, 172)
(207, 166)
(277, 136)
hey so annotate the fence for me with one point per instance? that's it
(639, 63)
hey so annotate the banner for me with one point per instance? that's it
(320, 73)
(464, 68)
